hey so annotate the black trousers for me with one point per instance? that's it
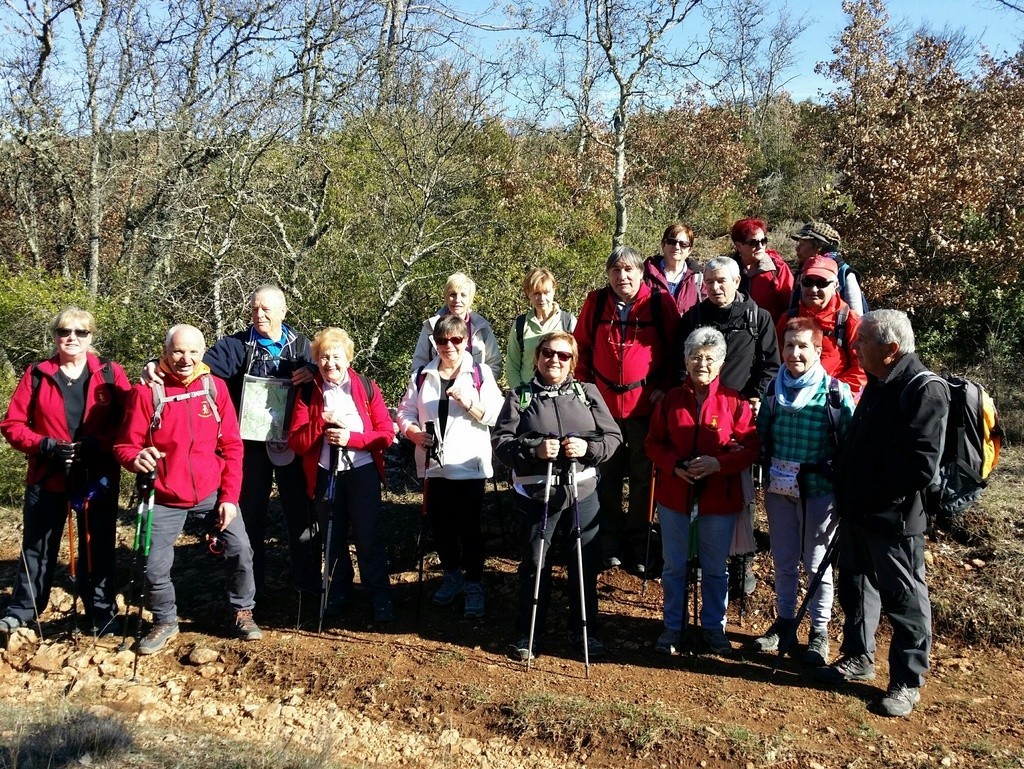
(880, 573)
(44, 514)
(560, 515)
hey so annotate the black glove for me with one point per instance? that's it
(87, 448)
(59, 451)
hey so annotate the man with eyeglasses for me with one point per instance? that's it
(764, 276)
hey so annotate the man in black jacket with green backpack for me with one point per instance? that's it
(888, 460)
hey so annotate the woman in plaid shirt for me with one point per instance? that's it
(804, 416)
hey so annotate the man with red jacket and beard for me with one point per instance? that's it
(626, 334)
(185, 432)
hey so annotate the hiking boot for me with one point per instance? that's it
(452, 585)
(521, 650)
(612, 562)
(669, 642)
(718, 642)
(157, 637)
(474, 601)
(817, 648)
(899, 700)
(245, 627)
(776, 634)
(595, 648)
(845, 669)
(9, 624)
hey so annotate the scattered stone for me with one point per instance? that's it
(203, 655)
(977, 563)
(448, 737)
(49, 659)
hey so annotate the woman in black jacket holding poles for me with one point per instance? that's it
(555, 423)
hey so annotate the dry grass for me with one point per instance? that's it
(65, 738)
(977, 580)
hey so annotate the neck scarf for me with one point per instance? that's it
(793, 393)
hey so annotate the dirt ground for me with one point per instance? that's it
(441, 691)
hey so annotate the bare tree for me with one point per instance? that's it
(611, 58)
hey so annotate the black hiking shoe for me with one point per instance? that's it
(846, 669)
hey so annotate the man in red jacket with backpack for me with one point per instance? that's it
(184, 430)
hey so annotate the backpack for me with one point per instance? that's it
(971, 446)
(106, 371)
(566, 321)
(834, 402)
(160, 399)
(845, 270)
(655, 302)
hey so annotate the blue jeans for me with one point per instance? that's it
(167, 525)
(714, 536)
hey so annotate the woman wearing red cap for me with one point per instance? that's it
(820, 301)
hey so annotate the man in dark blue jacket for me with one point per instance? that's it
(888, 460)
(269, 349)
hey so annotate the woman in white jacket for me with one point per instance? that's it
(447, 411)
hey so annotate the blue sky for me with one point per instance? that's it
(998, 28)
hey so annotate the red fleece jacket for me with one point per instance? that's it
(724, 429)
(202, 456)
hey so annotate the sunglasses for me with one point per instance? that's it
(79, 333)
(453, 340)
(674, 242)
(547, 352)
(815, 283)
(754, 242)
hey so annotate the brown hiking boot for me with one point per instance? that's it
(245, 627)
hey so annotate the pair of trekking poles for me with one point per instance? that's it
(145, 492)
(573, 488)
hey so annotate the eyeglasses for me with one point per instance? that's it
(674, 242)
(548, 353)
(815, 283)
(80, 333)
(754, 242)
(455, 341)
(702, 360)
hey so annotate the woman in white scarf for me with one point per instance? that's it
(804, 416)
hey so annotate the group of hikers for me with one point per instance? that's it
(675, 382)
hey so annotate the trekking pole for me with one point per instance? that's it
(145, 489)
(540, 559)
(812, 588)
(420, 540)
(693, 564)
(650, 528)
(574, 491)
(95, 490)
(71, 545)
(328, 500)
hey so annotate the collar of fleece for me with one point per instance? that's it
(199, 370)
